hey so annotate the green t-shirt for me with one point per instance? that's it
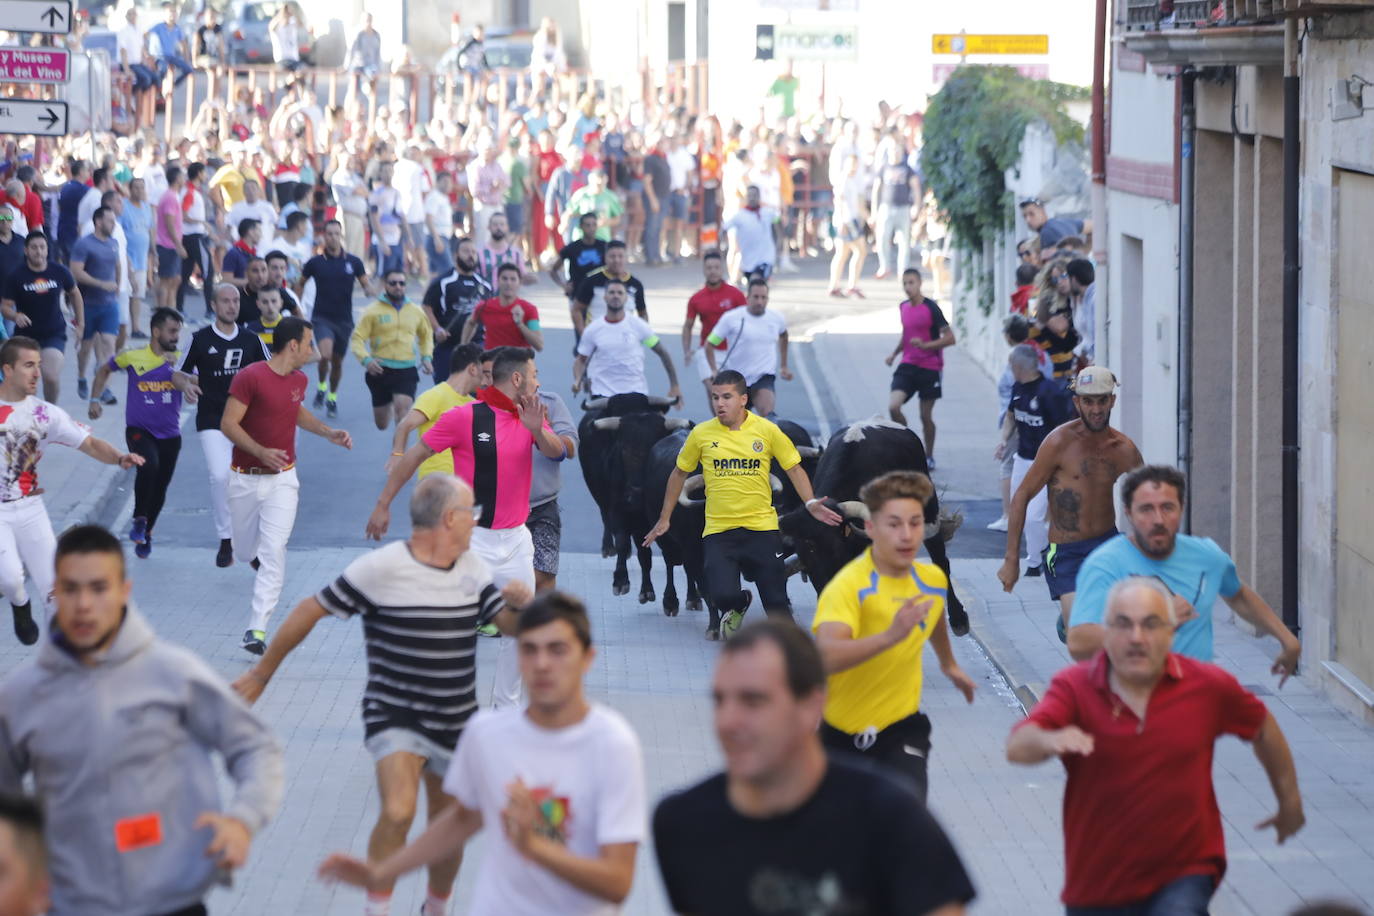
(786, 86)
(605, 205)
(518, 169)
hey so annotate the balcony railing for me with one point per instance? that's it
(1152, 15)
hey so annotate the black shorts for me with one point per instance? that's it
(390, 383)
(332, 329)
(903, 748)
(168, 263)
(765, 383)
(546, 531)
(1063, 560)
(913, 380)
(758, 554)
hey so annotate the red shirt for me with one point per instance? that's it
(1140, 810)
(274, 402)
(709, 304)
(1020, 300)
(500, 327)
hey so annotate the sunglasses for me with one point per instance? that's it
(395, 283)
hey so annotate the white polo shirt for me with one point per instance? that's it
(751, 342)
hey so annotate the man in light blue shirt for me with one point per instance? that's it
(1195, 570)
(137, 220)
(167, 44)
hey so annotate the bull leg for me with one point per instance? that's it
(620, 581)
(607, 538)
(670, 599)
(646, 583)
(693, 595)
(954, 608)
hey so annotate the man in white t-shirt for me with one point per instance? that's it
(26, 426)
(559, 787)
(755, 342)
(254, 207)
(412, 183)
(754, 231)
(610, 353)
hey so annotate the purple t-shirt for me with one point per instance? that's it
(922, 321)
(152, 403)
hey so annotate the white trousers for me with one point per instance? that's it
(219, 453)
(262, 509)
(1037, 528)
(509, 554)
(26, 540)
(893, 222)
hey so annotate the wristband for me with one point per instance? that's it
(812, 501)
(398, 454)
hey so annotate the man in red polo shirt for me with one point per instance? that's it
(505, 319)
(708, 303)
(1135, 727)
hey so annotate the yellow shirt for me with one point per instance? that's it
(229, 181)
(736, 465)
(390, 335)
(887, 687)
(434, 403)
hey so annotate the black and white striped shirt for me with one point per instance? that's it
(420, 631)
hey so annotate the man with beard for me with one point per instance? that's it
(450, 300)
(1194, 569)
(500, 249)
(1079, 461)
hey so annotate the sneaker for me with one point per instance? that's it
(1033, 572)
(25, 630)
(83, 389)
(331, 409)
(225, 557)
(255, 641)
(1059, 627)
(837, 293)
(319, 397)
(733, 620)
(138, 335)
(138, 531)
(857, 293)
(489, 629)
(143, 550)
(107, 397)
(998, 525)
(255, 564)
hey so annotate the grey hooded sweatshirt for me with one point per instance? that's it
(120, 753)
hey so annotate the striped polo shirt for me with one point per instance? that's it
(420, 634)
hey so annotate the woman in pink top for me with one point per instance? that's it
(925, 333)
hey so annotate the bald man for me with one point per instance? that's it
(434, 589)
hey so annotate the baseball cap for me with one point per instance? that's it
(1095, 380)
(1031, 200)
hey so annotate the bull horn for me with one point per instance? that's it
(853, 508)
(595, 404)
(775, 483)
(607, 423)
(656, 400)
(677, 423)
(932, 530)
(792, 565)
(808, 451)
(695, 482)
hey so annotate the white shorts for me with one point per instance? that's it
(123, 302)
(508, 553)
(700, 364)
(138, 279)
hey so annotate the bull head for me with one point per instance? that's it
(691, 485)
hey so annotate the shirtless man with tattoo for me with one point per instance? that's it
(1079, 461)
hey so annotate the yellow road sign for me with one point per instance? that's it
(990, 44)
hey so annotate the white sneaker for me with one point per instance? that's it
(999, 525)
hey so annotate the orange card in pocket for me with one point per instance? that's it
(138, 832)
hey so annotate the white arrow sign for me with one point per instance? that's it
(27, 116)
(52, 18)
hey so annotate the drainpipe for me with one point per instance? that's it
(1099, 166)
(1291, 127)
(1187, 163)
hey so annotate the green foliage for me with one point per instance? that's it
(972, 134)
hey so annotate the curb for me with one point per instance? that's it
(106, 495)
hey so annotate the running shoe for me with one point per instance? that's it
(138, 335)
(488, 629)
(255, 641)
(998, 525)
(1059, 627)
(331, 409)
(24, 628)
(319, 398)
(138, 531)
(107, 397)
(225, 557)
(733, 620)
(144, 550)
(83, 389)
(255, 564)
(1034, 571)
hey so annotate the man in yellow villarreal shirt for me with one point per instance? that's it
(385, 340)
(872, 621)
(736, 451)
(455, 391)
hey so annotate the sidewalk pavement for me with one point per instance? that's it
(1334, 855)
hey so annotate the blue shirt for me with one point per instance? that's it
(166, 39)
(1197, 569)
(68, 202)
(334, 279)
(1038, 407)
(98, 258)
(137, 220)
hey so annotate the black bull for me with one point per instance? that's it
(854, 456)
(681, 546)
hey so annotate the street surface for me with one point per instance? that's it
(656, 670)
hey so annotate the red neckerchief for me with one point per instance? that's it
(494, 397)
(245, 248)
(753, 209)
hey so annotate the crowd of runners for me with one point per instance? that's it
(820, 807)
